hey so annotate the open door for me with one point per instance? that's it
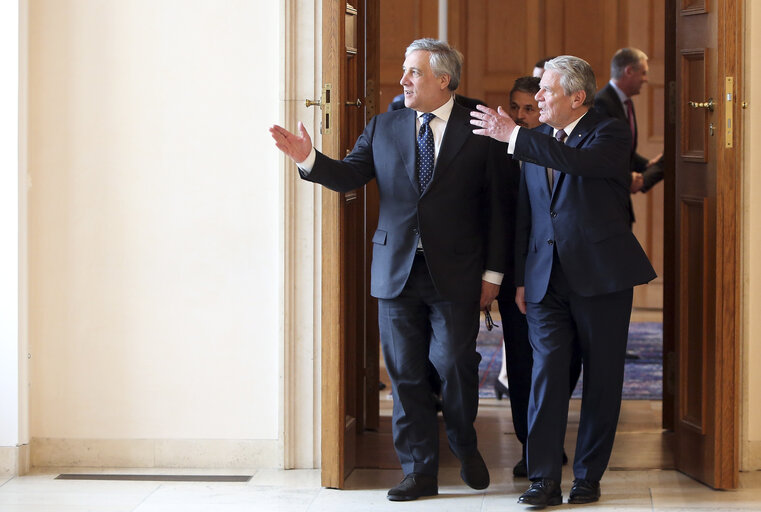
(706, 257)
(349, 315)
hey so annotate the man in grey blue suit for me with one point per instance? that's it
(577, 262)
(438, 254)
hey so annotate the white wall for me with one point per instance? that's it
(751, 353)
(154, 220)
(9, 222)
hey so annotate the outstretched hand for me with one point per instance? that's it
(295, 146)
(496, 124)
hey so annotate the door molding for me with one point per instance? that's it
(300, 356)
(333, 386)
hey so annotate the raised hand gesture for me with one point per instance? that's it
(295, 146)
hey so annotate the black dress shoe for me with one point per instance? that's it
(542, 493)
(584, 491)
(500, 390)
(414, 486)
(520, 470)
(474, 471)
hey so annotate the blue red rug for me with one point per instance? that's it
(642, 376)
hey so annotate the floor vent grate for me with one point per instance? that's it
(157, 478)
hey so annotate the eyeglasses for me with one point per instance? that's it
(489, 322)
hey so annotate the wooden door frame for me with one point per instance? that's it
(727, 253)
(728, 249)
(335, 435)
(332, 396)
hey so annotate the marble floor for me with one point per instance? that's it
(300, 491)
(640, 478)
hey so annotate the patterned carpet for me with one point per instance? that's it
(642, 377)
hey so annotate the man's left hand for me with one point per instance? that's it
(489, 292)
(496, 124)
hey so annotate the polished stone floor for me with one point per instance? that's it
(300, 491)
(640, 478)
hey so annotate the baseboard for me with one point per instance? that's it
(751, 456)
(14, 460)
(156, 453)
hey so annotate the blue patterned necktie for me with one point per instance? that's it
(425, 152)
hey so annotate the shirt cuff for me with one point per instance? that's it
(511, 142)
(306, 165)
(492, 277)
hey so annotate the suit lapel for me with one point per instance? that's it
(585, 127)
(547, 129)
(455, 135)
(578, 135)
(404, 126)
(615, 100)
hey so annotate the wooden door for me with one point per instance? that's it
(706, 255)
(349, 314)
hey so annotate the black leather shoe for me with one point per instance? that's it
(584, 491)
(474, 471)
(542, 493)
(500, 390)
(414, 486)
(520, 470)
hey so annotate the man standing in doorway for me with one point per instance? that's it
(577, 262)
(628, 73)
(438, 255)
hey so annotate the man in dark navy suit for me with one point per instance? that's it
(438, 255)
(577, 262)
(628, 73)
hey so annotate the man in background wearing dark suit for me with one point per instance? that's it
(577, 262)
(438, 254)
(628, 72)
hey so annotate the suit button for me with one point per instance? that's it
(550, 242)
(414, 229)
(553, 214)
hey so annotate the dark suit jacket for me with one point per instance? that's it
(458, 216)
(608, 104)
(586, 217)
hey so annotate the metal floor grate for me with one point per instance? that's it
(156, 478)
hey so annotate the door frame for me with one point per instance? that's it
(339, 428)
(724, 417)
(728, 254)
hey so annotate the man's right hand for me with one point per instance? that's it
(297, 147)
(520, 298)
(638, 181)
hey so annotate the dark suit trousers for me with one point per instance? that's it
(416, 327)
(520, 361)
(600, 324)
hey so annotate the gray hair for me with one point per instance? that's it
(444, 59)
(575, 75)
(625, 57)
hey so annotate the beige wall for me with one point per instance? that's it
(155, 230)
(9, 233)
(751, 348)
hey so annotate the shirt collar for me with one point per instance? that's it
(569, 128)
(621, 96)
(443, 112)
